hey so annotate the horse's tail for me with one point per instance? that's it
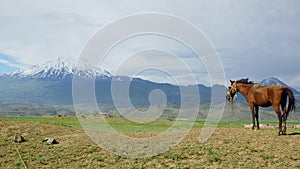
(291, 105)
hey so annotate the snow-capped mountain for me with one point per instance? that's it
(274, 80)
(59, 69)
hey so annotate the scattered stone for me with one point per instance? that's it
(50, 141)
(18, 138)
(297, 126)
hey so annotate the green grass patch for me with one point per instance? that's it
(123, 125)
(69, 121)
(212, 156)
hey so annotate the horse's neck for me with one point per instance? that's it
(244, 88)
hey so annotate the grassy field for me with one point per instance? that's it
(231, 145)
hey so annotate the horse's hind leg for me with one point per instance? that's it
(284, 114)
(280, 123)
(277, 111)
(284, 117)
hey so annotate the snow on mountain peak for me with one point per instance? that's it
(272, 80)
(59, 69)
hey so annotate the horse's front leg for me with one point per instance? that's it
(253, 116)
(256, 116)
(279, 123)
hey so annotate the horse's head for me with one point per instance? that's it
(232, 90)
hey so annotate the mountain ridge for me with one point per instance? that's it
(37, 92)
(51, 83)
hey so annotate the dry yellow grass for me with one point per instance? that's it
(227, 148)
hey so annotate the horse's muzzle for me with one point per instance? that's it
(229, 97)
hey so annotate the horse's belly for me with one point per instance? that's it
(267, 104)
(263, 102)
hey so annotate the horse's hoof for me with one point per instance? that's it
(283, 133)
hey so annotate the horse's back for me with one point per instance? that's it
(265, 95)
(258, 89)
(276, 86)
(258, 95)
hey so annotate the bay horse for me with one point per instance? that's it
(274, 95)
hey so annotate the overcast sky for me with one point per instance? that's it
(254, 38)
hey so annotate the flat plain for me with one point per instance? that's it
(230, 146)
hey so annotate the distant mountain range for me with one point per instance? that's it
(51, 84)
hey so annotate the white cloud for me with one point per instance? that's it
(256, 38)
(11, 64)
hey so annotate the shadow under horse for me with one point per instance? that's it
(274, 95)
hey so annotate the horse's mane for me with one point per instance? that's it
(245, 81)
